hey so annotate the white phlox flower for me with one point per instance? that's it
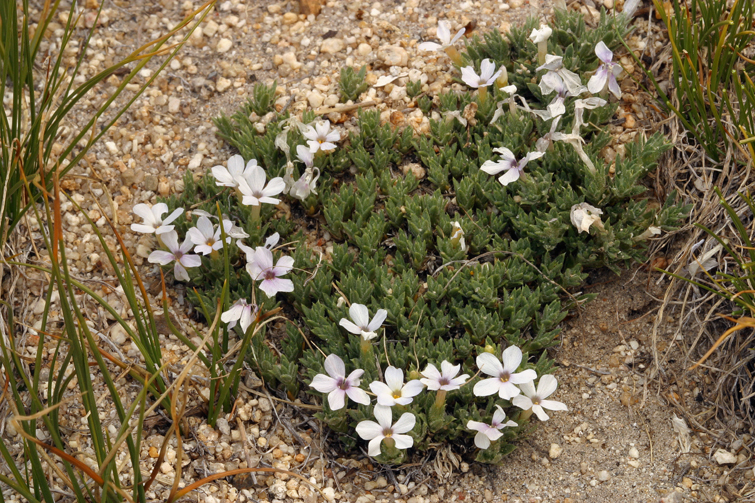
(540, 37)
(260, 267)
(536, 399)
(206, 237)
(554, 64)
(305, 185)
(384, 429)
(487, 75)
(556, 107)
(514, 170)
(583, 215)
(393, 391)
(338, 386)
(361, 324)
(444, 35)
(447, 379)
(241, 312)
(504, 377)
(178, 254)
(606, 72)
(511, 91)
(487, 433)
(457, 236)
(153, 221)
(231, 176)
(252, 187)
(321, 137)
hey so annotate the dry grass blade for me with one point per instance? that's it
(741, 323)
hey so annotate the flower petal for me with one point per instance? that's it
(367, 430)
(383, 416)
(273, 286)
(546, 386)
(412, 388)
(524, 376)
(469, 76)
(429, 46)
(493, 167)
(350, 326)
(487, 387)
(541, 415)
(489, 364)
(553, 405)
(334, 366)
(176, 213)
(403, 441)
(512, 358)
(603, 52)
(394, 378)
(481, 440)
(598, 81)
(337, 399)
(160, 257)
(358, 395)
(508, 177)
(360, 315)
(373, 448)
(405, 423)
(378, 320)
(323, 383)
(522, 402)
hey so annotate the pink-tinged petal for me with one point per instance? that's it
(310, 133)
(334, 366)
(489, 364)
(204, 225)
(263, 258)
(160, 257)
(512, 358)
(186, 246)
(394, 378)
(191, 261)
(350, 326)
(531, 156)
(180, 272)
(337, 399)
(378, 320)
(144, 211)
(235, 165)
(603, 52)
(476, 426)
(444, 32)
(383, 415)
(358, 395)
(493, 434)
(508, 391)
(223, 177)
(553, 405)
(481, 440)
(522, 402)
(367, 430)
(405, 423)
(498, 416)
(403, 441)
(284, 266)
(170, 239)
(540, 413)
(431, 372)
(524, 376)
(196, 236)
(457, 36)
(613, 86)
(493, 167)
(246, 319)
(333, 136)
(412, 388)
(360, 315)
(448, 369)
(469, 77)
(234, 313)
(326, 146)
(274, 286)
(176, 213)
(274, 187)
(373, 448)
(146, 229)
(528, 388)
(248, 251)
(508, 177)
(598, 81)
(429, 46)
(546, 386)
(323, 383)
(487, 387)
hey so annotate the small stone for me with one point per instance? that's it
(196, 161)
(143, 251)
(687, 482)
(603, 475)
(150, 183)
(153, 452)
(393, 55)
(515, 4)
(381, 482)
(277, 60)
(290, 59)
(634, 463)
(290, 18)
(315, 99)
(174, 105)
(488, 495)
(364, 49)
(329, 493)
(224, 45)
(308, 7)
(416, 169)
(634, 453)
(210, 28)
(608, 4)
(629, 122)
(163, 186)
(555, 451)
(222, 84)
(262, 442)
(223, 426)
(166, 467)
(724, 457)
(111, 147)
(332, 45)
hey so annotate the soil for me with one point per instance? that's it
(616, 442)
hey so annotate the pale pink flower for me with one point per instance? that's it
(178, 254)
(514, 170)
(260, 267)
(504, 377)
(206, 237)
(153, 221)
(361, 321)
(487, 433)
(338, 386)
(606, 73)
(384, 428)
(393, 391)
(554, 64)
(536, 399)
(241, 312)
(446, 379)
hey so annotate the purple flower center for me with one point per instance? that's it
(505, 376)
(536, 400)
(343, 383)
(178, 254)
(444, 381)
(387, 433)
(269, 274)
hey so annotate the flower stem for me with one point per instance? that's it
(525, 415)
(440, 400)
(215, 255)
(365, 347)
(482, 94)
(454, 55)
(256, 213)
(542, 49)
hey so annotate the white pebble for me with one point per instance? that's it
(224, 45)
(332, 45)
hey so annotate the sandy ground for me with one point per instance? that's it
(616, 443)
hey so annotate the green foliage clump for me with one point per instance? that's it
(504, 284)
(352, 83)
